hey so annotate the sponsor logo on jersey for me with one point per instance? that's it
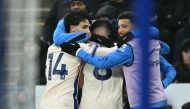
(153, 63)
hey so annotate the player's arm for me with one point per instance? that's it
(99, 51)
(153, 34)
(165, 49)
(168, 70)
(103, 51)
(61, 36)
(122, 56)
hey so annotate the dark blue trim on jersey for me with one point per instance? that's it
(94, 51)
(75, 92)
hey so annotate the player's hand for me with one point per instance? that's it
(102, 40)
(70, 48)
(124, 39)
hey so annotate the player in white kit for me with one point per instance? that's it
(102, 88)
(62, 69)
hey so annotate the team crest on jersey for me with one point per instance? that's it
(122, 48)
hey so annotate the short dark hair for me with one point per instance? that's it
(74, 18)
(128, 15)
(101, 23)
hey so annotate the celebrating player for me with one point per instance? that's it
(62, 69)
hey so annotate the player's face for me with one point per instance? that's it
(186, 57)
(78, 5)
(81, 27)
(125, 26)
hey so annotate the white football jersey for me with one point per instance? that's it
(102, 88)
(62, 79)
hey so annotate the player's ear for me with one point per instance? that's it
(72, 28)
(96, 32)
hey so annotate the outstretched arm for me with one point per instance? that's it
(61, 36)
(168, 70)
(122, 56)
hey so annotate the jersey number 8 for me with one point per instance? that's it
(102, 77)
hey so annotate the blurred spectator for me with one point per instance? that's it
(187, 6)
(34, 56)
(186, 106)
(33, 65)
(22, 100)
(170, 13)
(118, 6)
(96, 5)
(9, 96)
(183, 66)
(107, 12)
(55, 14)
(182, 34)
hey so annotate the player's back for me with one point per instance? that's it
(102, 88)
(62, 80)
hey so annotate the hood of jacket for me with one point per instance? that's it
(185, 20)
(184, 47)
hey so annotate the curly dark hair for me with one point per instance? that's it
(74, 18)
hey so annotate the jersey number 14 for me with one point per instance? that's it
(62, 72)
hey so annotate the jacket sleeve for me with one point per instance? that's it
(168, 70)
(165, 49)
(123, 55)
(153, 32)
(61, 36)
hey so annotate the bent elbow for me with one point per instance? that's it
(56, 40)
